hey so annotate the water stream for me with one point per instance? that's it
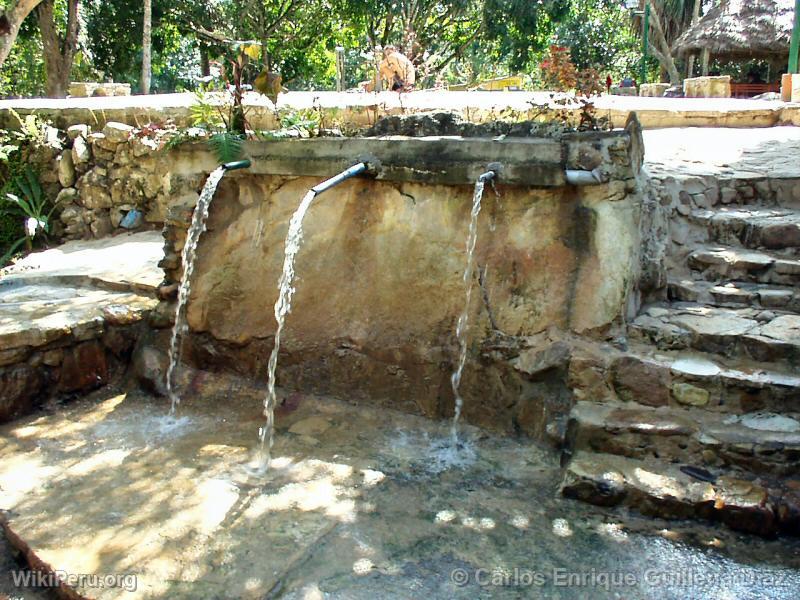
(283, 305)
(188, 255)
(462, 327)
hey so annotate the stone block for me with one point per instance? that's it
(653, 90)
(707, 87)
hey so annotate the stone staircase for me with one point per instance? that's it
(703, 420)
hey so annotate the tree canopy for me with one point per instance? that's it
(450, 41)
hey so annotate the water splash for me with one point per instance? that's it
(188, 255)
(283, 306)
(463, 319)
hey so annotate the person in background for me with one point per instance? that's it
(608, 84)
(397, 70)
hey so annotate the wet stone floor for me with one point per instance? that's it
(360, 502)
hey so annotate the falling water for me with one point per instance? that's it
(463, 319)
(283, 305)
(188, 255)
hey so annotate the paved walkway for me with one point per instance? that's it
(697, 151)
(128, 260)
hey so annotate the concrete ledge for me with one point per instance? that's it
(445, 160)
(363, 109)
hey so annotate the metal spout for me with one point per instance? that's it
(237, 164)
(493, 171)
(356, 169)
(578, 177)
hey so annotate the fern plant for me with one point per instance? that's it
(227, 146)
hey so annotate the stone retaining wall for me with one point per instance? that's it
(678, 196)
(379, 286)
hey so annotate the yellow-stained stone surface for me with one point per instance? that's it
(382, 263)
(708, 87)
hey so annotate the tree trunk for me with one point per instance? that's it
(205, 65)
(695, 18)
(147, 45)
(15, 14)
(59, 51)
(660, 47)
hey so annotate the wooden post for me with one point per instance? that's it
(339, 69)
(794, 47)
(378, 58)
(705, 58)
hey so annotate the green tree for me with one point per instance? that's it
(599, 34)
(115, 34)
(521, 28)
(58, 25)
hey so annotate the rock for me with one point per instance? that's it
(53, 358)
(121, 314)
(168, 292)
(75, 131)
(119, 340)
(587, 378)
(679, 231)
(20, 386)
(765, 316)
(66, 196)
(81, 153)
(787, 511)
(95, 196)
(770, 422)
(13, 355)
(743, 506)
(66, 169)
(312, 426)
(727, 195)
(690, 395)
(699, 367)
(84, 367)
(774, 298)
(117, 132)
(101, 226)
(143, 146)
(535, 361)
(73, 218)
(582, 482)
(163, 316)
(636, 380)
(150, 367)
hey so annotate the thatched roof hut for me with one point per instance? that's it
(742, 29)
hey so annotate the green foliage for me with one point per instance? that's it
(599, 35)
(24, 201)
(304, 121)
(227, 146)
(114, 32)
(205, 111)
(23, 71)
(519, 28)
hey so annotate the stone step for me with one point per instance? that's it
(766, 336)
(726, 262)
(697, 380)
(657, 489)
(735, 294)
(752, 227)
(755, 443)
